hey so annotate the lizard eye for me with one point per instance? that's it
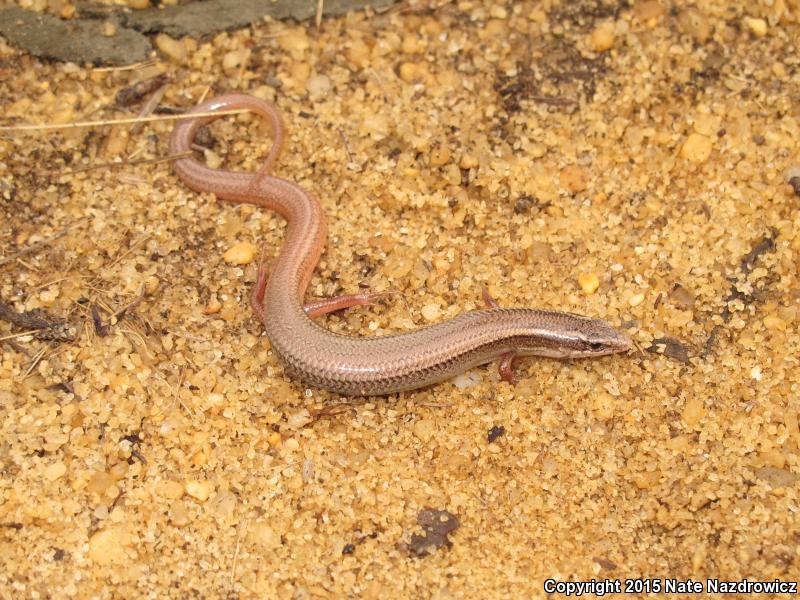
(595, 346)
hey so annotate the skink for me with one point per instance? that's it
(373, 365)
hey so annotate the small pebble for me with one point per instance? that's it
(539, 251)
(649, 12)
(467, 380)
(496, 11)
(298, 419)
(119, 470)
(692, 411)
(223, 504)
(358, 54)
(699, 557)
(603, 405)
(589, 283)
(793, 172)
(441, 264)
(424, 429)
(171, 426)
(439, 156)
(55, 471)
(496, 28)
(300, 72)
(376, 125)
(788, 314)
(681, 296)
(199, 459)
(431, 312)
(169, 489)
(199, 490)
(213, 306)
(174, 49)
(242, 253)
(694, 23)
(318, 85)
(48, 296)
(412, 44)
(603, 37)
(116, 142)
(232, 61)
(265, 92)
(757, 27)
(213, 160)
(774, 323)
(696, 148)
(99, 482)
(65, 115)
(107, 546)
(707, 125)
(294, 42)
(261, 534)
(274, 439)
(413, 72)
(468, 161)
(574, 178)
(67, 11)
(179, 513)
(678, 444)
(151, 284)
(636, 300)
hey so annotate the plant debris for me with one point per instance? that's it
(671, 348)
(437, 525)
(495, 432)
(135, 93)
(763, 246)
(43, 325)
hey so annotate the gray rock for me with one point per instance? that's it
(81, 39)
(76, 40)
(211, 16)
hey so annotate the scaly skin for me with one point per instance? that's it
(375, 365)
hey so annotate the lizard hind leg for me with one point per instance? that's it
(323, 306)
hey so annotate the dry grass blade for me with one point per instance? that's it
(138, 341)
(147, 109)
(133, 67)
(242, 531)
(20, 334)
(40, 243)
(130, 121)
(318, 16)
(34, 361)
(127, 163)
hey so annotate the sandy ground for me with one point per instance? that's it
(630, 163)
